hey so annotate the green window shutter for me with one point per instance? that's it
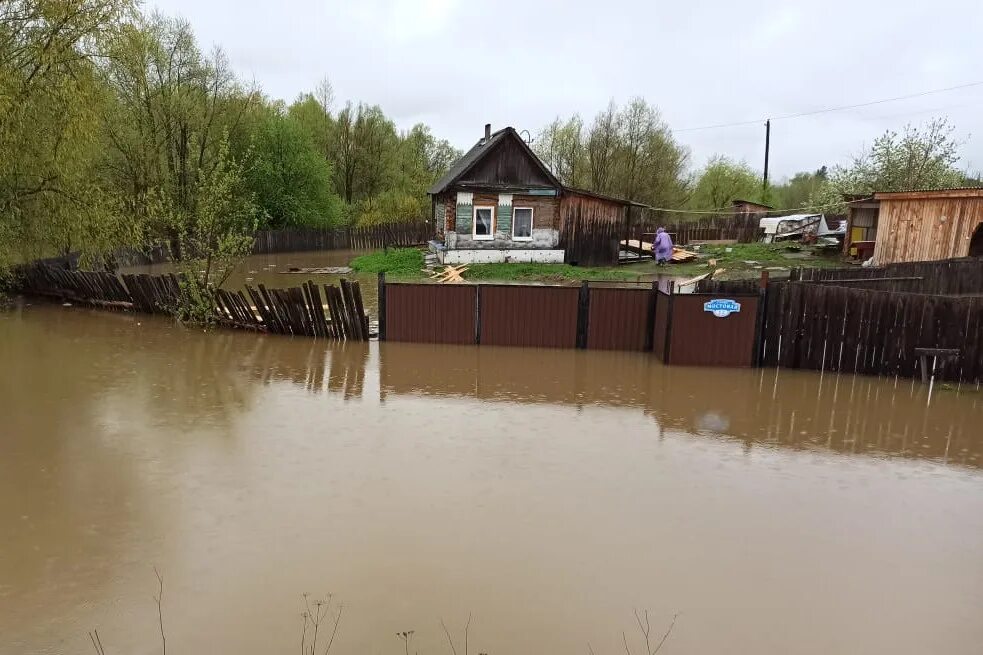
(465, 213)
(504, 213)
(505, 219)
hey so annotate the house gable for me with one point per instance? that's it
(508, 164)
(502, 161)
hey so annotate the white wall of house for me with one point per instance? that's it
(486, 255)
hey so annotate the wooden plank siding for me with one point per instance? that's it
(507, 163)
(591, 229)
(926, 226)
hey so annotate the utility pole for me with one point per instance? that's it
(767, 147)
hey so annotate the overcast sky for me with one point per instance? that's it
(456, 65)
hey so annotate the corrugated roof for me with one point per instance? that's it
(952, 192)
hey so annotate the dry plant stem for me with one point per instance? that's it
(450, 641)
(646, 630)
(160, 613)
(96, 642)
(334, 629)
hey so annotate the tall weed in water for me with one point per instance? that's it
(322, 616)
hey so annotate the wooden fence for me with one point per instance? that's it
(345, 238)
(679, 328)
(872, 320)
(741, 228)
(834, 328)
(296, 311)
(268, 242)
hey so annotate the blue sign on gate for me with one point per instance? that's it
(721, 308)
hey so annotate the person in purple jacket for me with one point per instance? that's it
(663, 246)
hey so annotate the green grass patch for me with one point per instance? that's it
(743, 260)
(740, 260)
(546, 272)
(397, 262)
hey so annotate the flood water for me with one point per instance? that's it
(274, 272)
(546, 493)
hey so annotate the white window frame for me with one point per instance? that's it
(532, 221)
(474, 223)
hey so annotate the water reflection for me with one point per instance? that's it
(793, 409)
(418, 480)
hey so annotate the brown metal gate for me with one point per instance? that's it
(698, 337)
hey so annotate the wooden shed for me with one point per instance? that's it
(501, 203)
(926, 225)
(861, 226)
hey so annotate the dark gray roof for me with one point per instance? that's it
(465, 162)
(477, 151)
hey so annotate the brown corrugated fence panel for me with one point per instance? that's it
(660, 324)
(430, 313)
(618, 319)
(698, 337)
(529, 316)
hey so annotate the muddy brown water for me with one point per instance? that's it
(546, 493)
(273, 271)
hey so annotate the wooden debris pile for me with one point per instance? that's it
(681, 256)
(450, 274)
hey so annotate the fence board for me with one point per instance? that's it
(431, 313)
(618, 319)
(697, 337)
(514, 315)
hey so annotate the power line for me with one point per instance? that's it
(758, 121)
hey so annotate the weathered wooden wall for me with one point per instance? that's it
(924, 226)
(343, 238)
(590, 229)
(834, 328)
(743, 228)
(508, 163)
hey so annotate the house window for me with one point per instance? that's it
(522, 224)
(484, 223)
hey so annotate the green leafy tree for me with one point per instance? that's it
(291, 180)
(796, 192)
(721, 182)
(922, 157)
(51, 198)
(627, 152)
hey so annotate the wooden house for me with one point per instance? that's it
(750, 208)
(925, 225)
(500, 203)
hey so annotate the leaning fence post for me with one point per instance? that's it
(382, 306)
(583, 314)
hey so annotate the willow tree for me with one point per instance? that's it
(628, 152)
(51, 198)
